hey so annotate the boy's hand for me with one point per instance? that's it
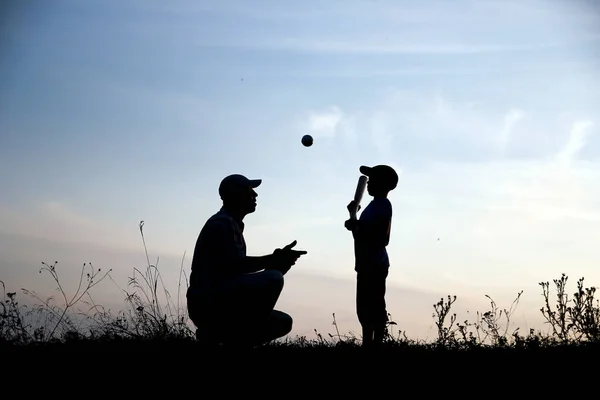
(353, 206)
(351, 224)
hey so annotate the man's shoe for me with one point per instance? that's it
(205, 338)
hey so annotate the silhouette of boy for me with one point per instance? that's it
(231, 296)
(371, 234)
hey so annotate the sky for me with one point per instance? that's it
(114, 112)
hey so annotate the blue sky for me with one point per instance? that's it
(114, 112)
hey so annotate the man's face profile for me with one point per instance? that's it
(252, 195)
(243, 199)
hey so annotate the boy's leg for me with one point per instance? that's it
(367, 336)
(379, 306)
(364, 306)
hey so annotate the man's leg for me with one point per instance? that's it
(255, 293)
(249, 301)
(259, 331)
(202, 317)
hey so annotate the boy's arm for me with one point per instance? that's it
(382, 226)
(375, 229)
(353, 225)
(381, 231)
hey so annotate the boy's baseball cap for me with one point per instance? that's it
(236, 182)
(385, 173)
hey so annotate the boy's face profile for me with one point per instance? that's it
(382, 179)
(376, 187)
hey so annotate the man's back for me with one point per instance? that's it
(374, 235)
(219, 244)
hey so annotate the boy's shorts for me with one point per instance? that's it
(370, 297)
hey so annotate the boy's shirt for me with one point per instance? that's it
(373, 235)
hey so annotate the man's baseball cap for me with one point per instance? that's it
(385, 173)
(236, 182)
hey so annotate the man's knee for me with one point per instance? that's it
(287, 323)
(274, 279)
(283, 322)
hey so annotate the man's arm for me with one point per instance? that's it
(257, 263)
(231, 256)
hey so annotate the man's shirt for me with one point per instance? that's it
(220, 248)
(373, 236)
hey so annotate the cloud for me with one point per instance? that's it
(330, 123)
(538, 209)
(55, 221)
(384, 27)
(511, 118)
(329, 46)
(376, 127)
(558, 188)
(504, 223)
(576, 142)
(324, 124)
(507, 183)
(369, 28)
(381, 134)
(404, 126)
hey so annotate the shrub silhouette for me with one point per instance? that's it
(147, 316)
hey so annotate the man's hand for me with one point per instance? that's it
(286, 257)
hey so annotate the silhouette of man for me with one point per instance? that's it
(371, 234)
(231, 297)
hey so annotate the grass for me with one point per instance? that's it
(152, 321)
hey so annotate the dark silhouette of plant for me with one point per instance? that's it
(575, 322)
(63, 320)
(446, 334)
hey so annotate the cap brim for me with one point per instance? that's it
(254, 183)
(365, 170)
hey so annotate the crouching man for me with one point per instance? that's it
(231, 298)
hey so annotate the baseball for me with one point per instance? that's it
(307, 140)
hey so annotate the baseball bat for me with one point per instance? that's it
(358, 194)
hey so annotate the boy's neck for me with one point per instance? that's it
(380, 196)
